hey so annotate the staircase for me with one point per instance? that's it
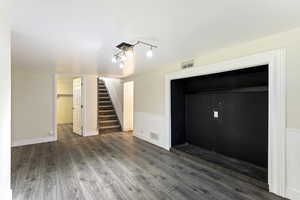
(108, 121)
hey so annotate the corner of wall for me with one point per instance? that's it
(293, 164)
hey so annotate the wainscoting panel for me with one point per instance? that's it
(150, 127)
(293, 164)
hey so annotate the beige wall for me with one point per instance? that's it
(32, 104)
(64, 101)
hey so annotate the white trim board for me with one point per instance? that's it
(293, 130)
(293, 163)
(33, 141)
(292, 194)
(148, 139)
(90, 133)
(6, 193)
(277, 106)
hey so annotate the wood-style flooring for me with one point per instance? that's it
(240, 169)
(118, 166)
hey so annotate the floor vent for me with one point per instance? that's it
(154, 136)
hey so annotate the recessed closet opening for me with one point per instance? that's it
(223, 118)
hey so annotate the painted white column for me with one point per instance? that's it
(5, 107)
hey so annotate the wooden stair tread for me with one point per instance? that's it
(107, 115)
(106, 110)
(106, 106)
(104, 101)
(108, 121)
(109, 127)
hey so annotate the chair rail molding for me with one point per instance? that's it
(276, 60)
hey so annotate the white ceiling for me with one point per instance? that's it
(78, 36)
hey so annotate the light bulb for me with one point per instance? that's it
(114, 60)
(123, 58)
(121, 65)
(129, 53)
(149, 53)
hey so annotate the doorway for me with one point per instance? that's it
(220, 118)
(128, 109)
(69, 107)
(277, 107)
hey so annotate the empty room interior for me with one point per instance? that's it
(130, 100)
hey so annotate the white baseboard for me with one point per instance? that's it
(293, 130)
(33, 141)
(147, 139)
(293, 194)
(293, 174)
(90, 133)
(6, 193)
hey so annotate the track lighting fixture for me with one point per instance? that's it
(114, 59)
(149, 53)
(122, 65)
(127, 50)
(123, 58)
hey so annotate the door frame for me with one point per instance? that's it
(55, 79)
(276, 60)
(124, 117)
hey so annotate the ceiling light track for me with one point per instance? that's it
(127, 50)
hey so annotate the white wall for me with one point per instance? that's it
(5, 105)
(115, 89)
(149, 92)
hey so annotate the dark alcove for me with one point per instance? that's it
(226, 114)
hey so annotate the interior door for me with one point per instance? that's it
(128, 106)
(77, 106)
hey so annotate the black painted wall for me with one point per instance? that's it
(241, 99)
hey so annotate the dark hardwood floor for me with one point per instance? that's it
(118, 166)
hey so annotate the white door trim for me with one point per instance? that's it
(276, 60)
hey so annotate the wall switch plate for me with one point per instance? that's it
(216, 114)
